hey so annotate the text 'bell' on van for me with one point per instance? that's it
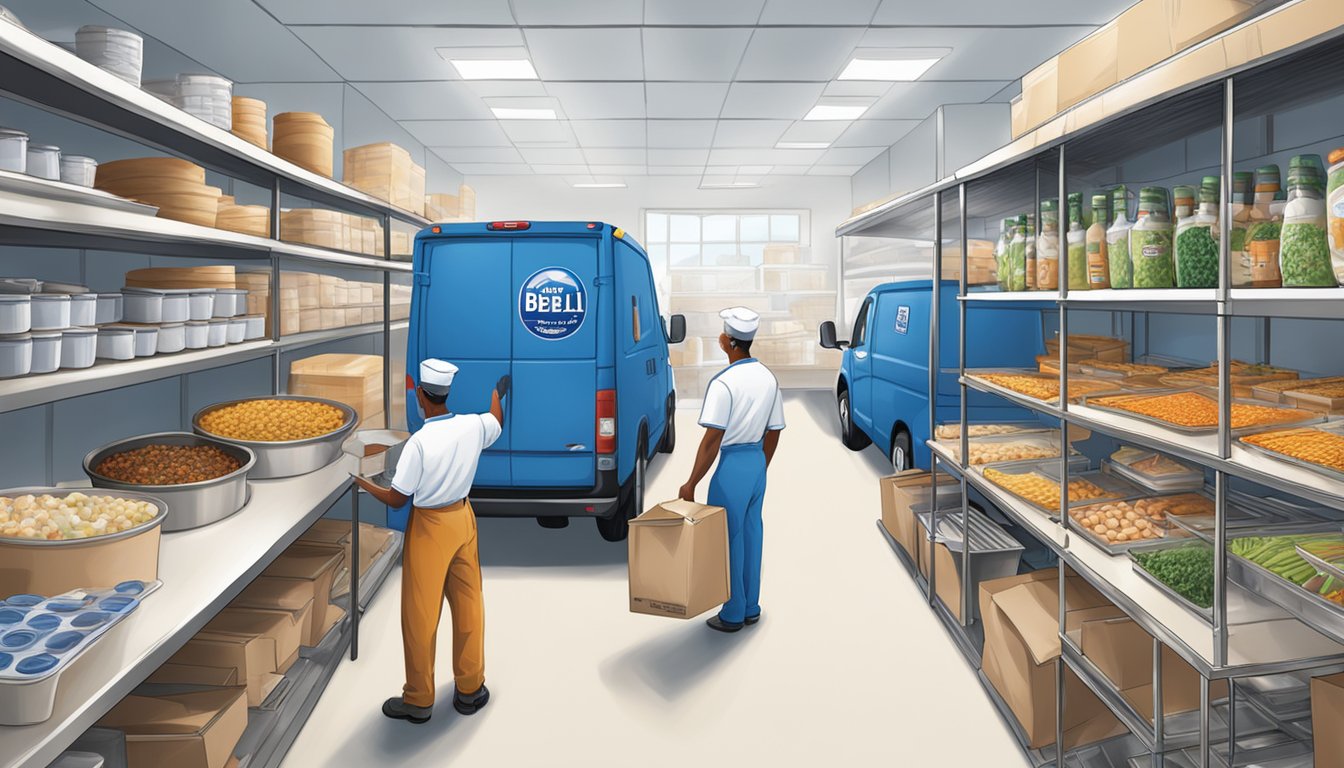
(882, 394)
(569, 311)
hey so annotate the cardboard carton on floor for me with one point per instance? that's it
(252, 656)
(679, 560)
(286, 628)
(900, 493)
(1327, 706)
(185, 730)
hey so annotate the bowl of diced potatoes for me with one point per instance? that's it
(290, 435)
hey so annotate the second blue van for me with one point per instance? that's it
(882, 393)
(569, 310)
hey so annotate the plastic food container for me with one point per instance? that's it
(1154, 471)
(46, 351)
(116, 51)
(13, 150)
(256, 327)
(142, 305)
(230, 302)
(237, 330)
(146, 340)
(16, 313)
(196, 334)
(84, 309)
(50, 311)
(218, 333)
(109, 308)
(176, 306)
(44, 161)
(116, 342)
(16, 355)
(78, 170)
(201, 304)
(79, 347)
(172, 338)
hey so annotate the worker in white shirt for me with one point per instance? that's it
(440, 560)
(743, 414)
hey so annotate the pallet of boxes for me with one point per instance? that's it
(355, 380)
(193, 710)
(446, 209)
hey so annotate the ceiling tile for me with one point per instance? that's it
(815, 130)
(997, 13)
(506, 88)
(589, 12)
(814, 12)
(834, 170)
(554, 156)
(798, 53)
(749, 133)
(618, 170)
(610, 133)
(403, 53)
(685, 99)
(693, 53)
(875, 133)
(544, 132)
(789, 170)
(623, 156)
(400, 12)
(587, 53)
(681, 133)
(702, 11)
(678, 156)
(455, 155)
(788, 101)
(676, 170)
(560, 170)
(754, 170)
(600, 101)
(721, 170)
(764, 156)
(871, 88)
(918, 100)
(426, 101)
(850, 155)
(492, 169)
(457, 133)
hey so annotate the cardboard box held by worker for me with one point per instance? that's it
(679, 560)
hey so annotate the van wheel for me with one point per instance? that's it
(902, 456)
(669, 441)
(553, 521)
(617, 527)
(853, 438)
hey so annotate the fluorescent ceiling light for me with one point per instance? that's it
(803, 145)
(495, 69)
(522, 113)
(886, 69)
(600, 185)
(836, 112)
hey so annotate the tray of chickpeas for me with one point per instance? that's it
(290, 435)
(1037, 483)
(1118, 526)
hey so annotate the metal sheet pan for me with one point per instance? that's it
(1333, 427)
(1204, 613)
(1314, 610)
(1170, 533)
(1307, 417)
(1114, 387)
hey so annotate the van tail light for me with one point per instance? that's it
(606, 421)
(410, 383)
(498, 226)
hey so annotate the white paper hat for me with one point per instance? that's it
(437, 375)
(740, 323)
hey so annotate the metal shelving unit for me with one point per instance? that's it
(1247, 634)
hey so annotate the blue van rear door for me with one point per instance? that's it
(554, 328)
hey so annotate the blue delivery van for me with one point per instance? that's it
(569, 311)
(882, 394)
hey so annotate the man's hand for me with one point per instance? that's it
(502, 386)
(687, 492)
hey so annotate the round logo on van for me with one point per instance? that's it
(552, 303)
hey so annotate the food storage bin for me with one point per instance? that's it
(201, 304)
(146, 339)
(16, 355)
(176, 306)
(108, 309)
(256, 327)
(142, 305)
(994, 554)
(218, 332)
(79, 347)
(196, 334)
(172, 338)
(44, 161)
(237, 330)
(13, 150)
(16, 313)
(230, 302)
(116, 342)
(46, 351)
(84, 309)
(50, 311)
(115, 51)
(78, 170)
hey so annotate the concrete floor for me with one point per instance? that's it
(847, 667)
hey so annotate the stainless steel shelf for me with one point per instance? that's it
(202, 571)
(1011, 297)
(51, 77)
(1098, 683)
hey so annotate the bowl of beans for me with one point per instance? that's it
(201, 479)
(290, 435)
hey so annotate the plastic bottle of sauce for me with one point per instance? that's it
(1077, 244)
(1243, 197)
(1047, 247)
(1098, 265)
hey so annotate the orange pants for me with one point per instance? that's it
(440, 560)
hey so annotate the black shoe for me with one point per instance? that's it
(718, 624)
(471, 703)
(752, 619)
(397, 709)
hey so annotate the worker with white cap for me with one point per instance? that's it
(440, 560)
(743, 414)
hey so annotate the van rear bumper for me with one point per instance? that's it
(599, 501)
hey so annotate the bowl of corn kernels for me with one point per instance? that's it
(290, 435)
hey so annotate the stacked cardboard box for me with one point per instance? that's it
(199, 729)
(901, 493)
(1123, 652)
(387, 172)
(313, 302)
(1327, 706)
(373, 542)
(786, 350)
(356, 380)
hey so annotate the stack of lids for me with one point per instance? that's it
(176, 187)
(305, 139)
(113, 50)
(208, 97)
(249, 120)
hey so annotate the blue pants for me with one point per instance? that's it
(739, 487)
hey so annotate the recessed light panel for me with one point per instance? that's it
(519, 113)
(495, 69)
(802, 145)
(894, 70)
(836, 112)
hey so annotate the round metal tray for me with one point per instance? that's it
(92, 540)
(190, 505)
(291, 457)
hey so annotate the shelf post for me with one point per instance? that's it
(1220, 481)
(354, 571)
(935, 302)
(1159, 716)
(966, 593)
(1062, 234)
(1205, 713)
(1060, 672)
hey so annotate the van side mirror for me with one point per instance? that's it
(677, 334)
(828, 340)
